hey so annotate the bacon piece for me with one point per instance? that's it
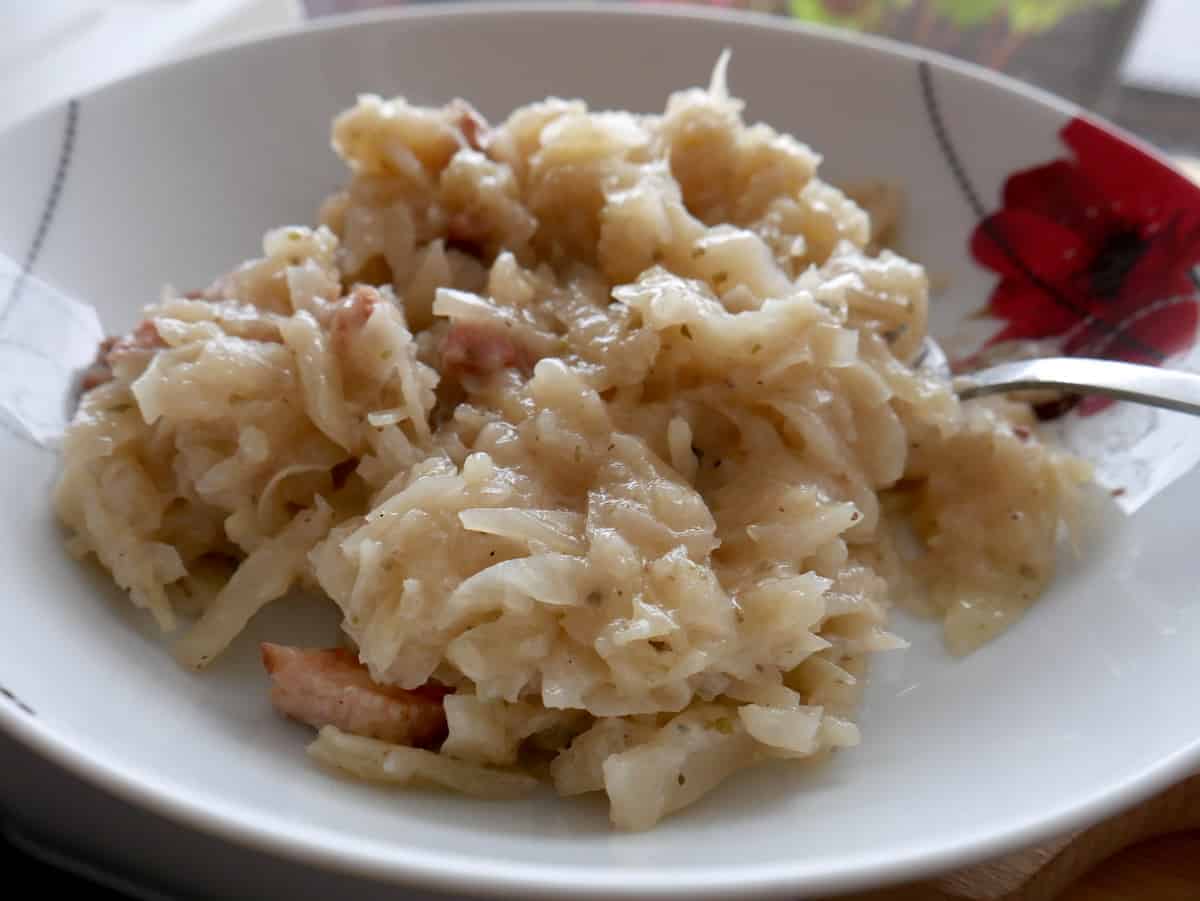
(351, 314)
(100, 370)
(481, 350)
(329, 687)
(471, 125)
(145, 338)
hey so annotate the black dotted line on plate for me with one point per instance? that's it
(65, 153)
(20, 705)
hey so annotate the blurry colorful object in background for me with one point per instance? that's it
(1070, 47)
(1032, 17)
(858, 14)
(941, 22)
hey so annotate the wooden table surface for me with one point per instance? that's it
(1166, 869)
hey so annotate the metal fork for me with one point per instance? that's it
(1167, 388)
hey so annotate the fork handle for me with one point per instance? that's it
(1168, 388)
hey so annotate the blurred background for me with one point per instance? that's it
(1131, 60)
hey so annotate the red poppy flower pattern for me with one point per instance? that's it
(1096, 254)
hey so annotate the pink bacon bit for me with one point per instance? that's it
(470, 124)
(351, 314)
(477, 349)
(143, 339)
(100, 371)
(329, 687)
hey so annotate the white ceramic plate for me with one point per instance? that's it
(172, 176)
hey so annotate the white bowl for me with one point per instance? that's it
(173, 175)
